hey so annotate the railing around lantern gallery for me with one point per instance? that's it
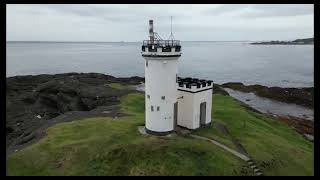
(166, 45)
(161, 43)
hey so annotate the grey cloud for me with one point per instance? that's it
(225, 9)
(262, 10)
(130, 22)
(283, 10)
(79, 9)
(117, 13)
(103, 12)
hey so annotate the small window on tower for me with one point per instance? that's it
(146, 63)
(148, 96)
(163, 97)
(151, 108)
(158, 108)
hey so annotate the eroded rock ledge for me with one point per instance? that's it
(300, 96)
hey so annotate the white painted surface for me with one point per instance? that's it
(200, 97)
(160, 80)
(185, 110)
(189, 108)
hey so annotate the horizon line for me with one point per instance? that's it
(51, 41)
(131, 41)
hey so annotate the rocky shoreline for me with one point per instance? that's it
(299, 96)
(34, 103)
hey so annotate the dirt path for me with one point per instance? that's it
(244, 157)
(223, 129)
(236, 153)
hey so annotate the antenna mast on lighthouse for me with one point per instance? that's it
(171, 37)
(171, 24)
(151, 32)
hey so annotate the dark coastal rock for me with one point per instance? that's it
(134, 80)
(217, 89)
(300, 96)
(33, 101)
(9, 130)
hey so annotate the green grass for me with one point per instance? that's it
(107, 146)
(113, 146)
(265, 139)
(120, 86)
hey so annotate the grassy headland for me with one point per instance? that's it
(113, 146)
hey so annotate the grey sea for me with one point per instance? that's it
(270, 65)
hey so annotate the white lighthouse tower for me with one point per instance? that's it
(161, 61)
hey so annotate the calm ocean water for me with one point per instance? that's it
(277, 65)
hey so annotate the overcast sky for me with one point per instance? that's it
(130, 22)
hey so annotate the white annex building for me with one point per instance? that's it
(170, 100)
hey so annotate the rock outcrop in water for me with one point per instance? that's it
(300, 96)
(216, 88)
